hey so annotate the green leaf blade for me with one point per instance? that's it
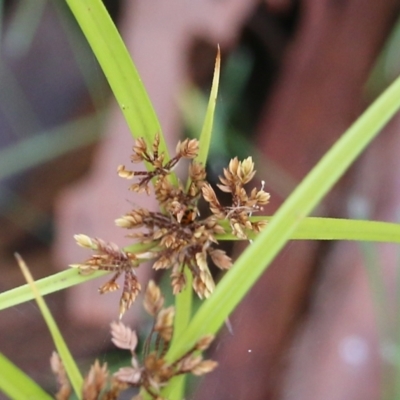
(206, 132)
(253, 262)
(70, 366)
(118, 68)
(17, 385)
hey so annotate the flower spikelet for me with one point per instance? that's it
(123, 337)
(64, 391)
(111, 258)
(154, 372)
(189, 148)
(95, 381)
(204, 367)
(164, 323)
(238, 174)
(153, 299)
(176, 236)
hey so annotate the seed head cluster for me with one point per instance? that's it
(111, 258)
(155, 371)
(177, 238)
(152, 371)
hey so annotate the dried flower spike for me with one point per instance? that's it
(111, 258)
(181, 239)
(64, 391)
(154, 372)
(95, 381)
(235, 177)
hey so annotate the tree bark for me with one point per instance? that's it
(318, 95)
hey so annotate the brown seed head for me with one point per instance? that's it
(95, 381)
(204, 342)
(204, 367)
(153, 299)
(123, 336)
(164, 323)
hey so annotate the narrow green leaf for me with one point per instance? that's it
(183, 303)
(308, 229)
(175, 389)
(183, 307)
(258, 256)
(206, 132)
(50, 284)
(16, 384)
(313, 228)
(117, 65)
(70, 366)
(59, 281)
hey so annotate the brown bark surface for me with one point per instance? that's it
(318, 95)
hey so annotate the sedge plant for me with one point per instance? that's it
(178, 239)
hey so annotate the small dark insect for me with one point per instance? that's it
(189, 216)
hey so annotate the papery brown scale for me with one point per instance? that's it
(167, 241)
(220, 259)
(109, 286)
(129, 374)
(241, 193)
(85, 241)
(248, 225)
(227, 179)
(197, 171)
(208, 282)
(159, 233)
(153, 299)
(199, 287)
(204, 367)
(162, 263)
(187, 364)
(123, 336)
(124, 173)
(201, 261)
(258, 226)
(164, 323)
(188, 148)
(224, 188)
(135, 187)
(204, 342)
(178, 147)
(263, 197)
(233, 166)
(140, 146)
(156, 143)
(178, 282)
(218, 230)
(95, 381)
(247, 177)
(238, 231)
(125, 302)
(135, 158)
(245, 170)
(57, 367)
(153, 363)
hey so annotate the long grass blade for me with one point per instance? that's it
(119, 69)
(71, 368)
(257, 257)
(59, 281)
(16, 384)
(313, 228)
(206, 132)
(308, 229)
